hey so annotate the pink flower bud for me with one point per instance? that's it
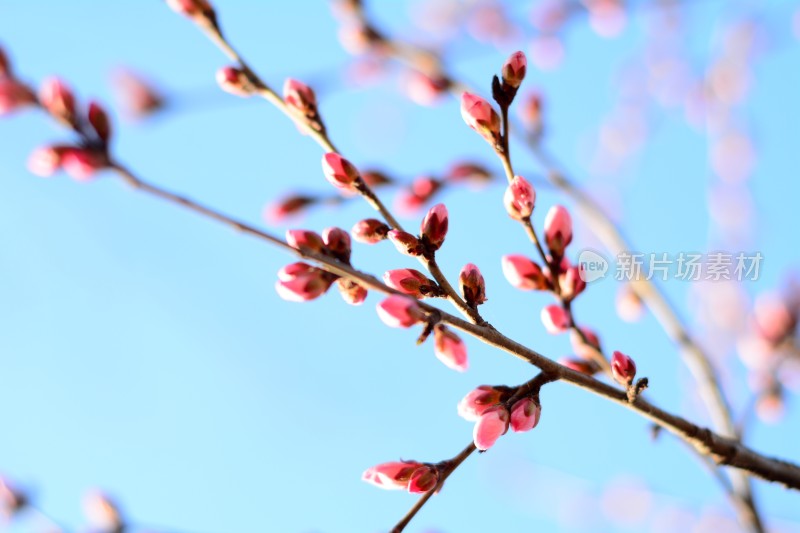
(301, 239)
(5, 65)
(337, 241)
(46, 160)
(102, 512)
(519, 198)
(375, 178)
(571, 282)
(474, 404)
(137, 96)
(82, 163)
(525, 415)
(57, 99)
(450, 349)
(481, 117)
(370, 231)
(623, 368)
(424, 479)
(425, 90)
(491, 425)
(398, 311)
(468, 172)
(472, 284)
(523, 273)
(581, 348)
(14, 95)
(285, 208)
(12, 499)
(531, 112)
(422, 189)
(628, 304)
(555, 319)
(557, 230)
(299, 282)
(351, 292)
(339, 171)
(98, 118)
(434, 227)
(405, 242)
(514, 69)
(234, 80)
(394, 475)
(300, 97)
(411, 282)
(192, 8)
(579, 365)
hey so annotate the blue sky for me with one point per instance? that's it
(143, 350)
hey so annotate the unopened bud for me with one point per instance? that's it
(433, 229)
(370, 231)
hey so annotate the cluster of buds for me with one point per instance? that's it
(433, 231)
(488, 407)
(13, 93)
(415, 477)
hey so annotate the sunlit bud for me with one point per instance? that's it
(450, 349)
(286, 207)
(423, 479)
(411, 282)
(472, 285)
(474, 404)
(11, 498)
(481, 117)
(405, 242)
(57, 98)
(571, 282)
(491, 425)
(514, 69)
(425, 90)
(293, 270)
(398, 311)
(557, 230)
(623, 368)
(82, 163)
(101, 512)
(192, 8)
(629, 305)
(523, 273)
(5, 65)
(370, 231)
(555, 319)
(301, 239)
(581, 348)
(579, 365)
(434, 227)
(46, 160)
(525, 415)
(351, 292)
(299, 282)
(14, 95)
(339, 171)
(337, 241)
(100, 122)
(300, 97)
(468, 172)
(519, 198)
(234, 80)
(392, 475)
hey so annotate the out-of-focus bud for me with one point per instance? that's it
(340, 172)
(14, 95)
(137, 96)
(472, 285)
(525, 415)
(370, 231)
(581, 348)
(196, 9)
(359, 39)
(394, 475)
(468, 172)
(579, 365)
(450, 349)
(98, 118)
(286, 207)
(491, 425)
(58, 100)
(433, 229)
(376, 178)
(46, 160)
(571, 282)
(519, 198)
(481, 117)
(557, 230)
(300, 282)
(424, 479)
(531, 112)
(351, 292)
(555, 319)
(5, 65)
(628, 304)
(234, 80)
(411, 282)
(12, 499)
(474, 404)
(337, 241)
(300, 97)
(426, 90)
(623, 368)
(770, 406)
(400, 311)
(82, 163)
(514, 69)
(101, 512)
(405, 243)
(305, 240)
(523, 273)
(422, 189)
(773, 318)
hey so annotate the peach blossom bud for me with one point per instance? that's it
(339, 171)
(423, 479)
(468, 172)
(357, 39)
(337, 241)
(394, 475)
(5, 65)
(82, 163)
(376, 178)
(299, 282)
(405, 242)
(628, 304)
(398, 311)
(46, 160)
(555, 319)
(192, 8)
(491, 425)
(57, 99)
(301, 239)
(234, 80)
(12, 499)
(425, 90)
(571, 282)
(557, 230)
(14, 95)
(411, 282)
(300, 97)
(523, 273)
(525, 415)
(98, 118)
(434, 227)
(370, 231)
(472, 285)
(474, 404)
(481, 117)
(450, 349)
(581, 348)
(138, 97)
(773, 318)
(579, 365)
(514, 69)
(531, 111)
(519, 198)
(623, 368)
(102, 512)
(351, 292)
(286, 207)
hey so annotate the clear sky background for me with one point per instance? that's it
(143, 350)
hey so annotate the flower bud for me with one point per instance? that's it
(524, 274)
(525, 415)
(450, 349)
(583, 349)
(555, 319)
(82, 163)
(491, 425)
(623, 368)
(394, 475)
(351, 292)
(580, 365)
(46, 160)
(423, 479)
(557, 230)
(411, 282)
(14, 95)
(138, 97)
(434, 227)
(304, 240)
(514, 69)
(337, 241)
(481, 117)
(12, 499)
(628, 304)
(405, 242)
(370, 231)
(339, 171)
(197, 9)
(474, 404)
(519, 198)
(102, 512)
(58, 100)
(234, 80)
(461, 172)
(472, 284)
(5, 65)
(300, 282)
(422, 189)
(398, 311)
(291, 205)
(531, 112)
(571, 282)
(426, 90)
(300, 97)
(98, 118)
